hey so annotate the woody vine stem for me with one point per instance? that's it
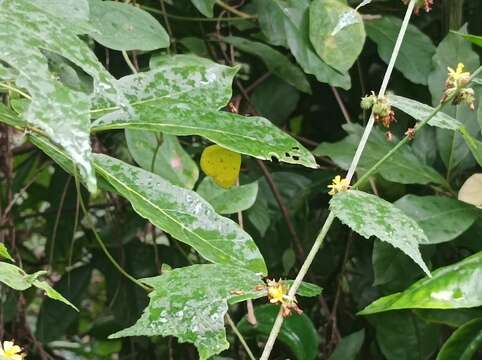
(329, 220)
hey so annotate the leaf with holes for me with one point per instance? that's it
(370, 215)
(191, 302)
(61, 113)
(450, 287)
(175, 98)
(183, 214)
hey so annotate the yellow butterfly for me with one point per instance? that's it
(221, 164)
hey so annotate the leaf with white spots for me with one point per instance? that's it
(181, 96)
(370, 215)
(450, 287)
(183, 214)
(191, 302)
(61, 113)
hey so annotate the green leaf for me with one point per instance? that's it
(52, 293)
(13, 276)
(403, 167)
(306, 289)
(420, 112)
(253, 136)
(275, 100)
(205, 7)
(441, 218)
(403, 336)
(336, 32)
(414, 58)
(370, 215)
(122, 26)
(175, 98)
(228, 201)
(183, 214)
(61, 113)
(191, 302)
(441, 120)
(474, 39)
(276, 62)
(450, 317)
(4, 252)
(454, 152)
(392, 269)
(464, 342)
(75, 10)
(349, 346)
(450, 287)
(290, 18)
(162, 155)
(54, 320)
(298, 332)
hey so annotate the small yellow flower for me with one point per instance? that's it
(458, 77)
(8, 350)
(277, 291)
(338, 185)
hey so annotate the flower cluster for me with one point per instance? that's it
(457, 81)
(8, 350)
(278, 294)
(338, 185)
(382, 110)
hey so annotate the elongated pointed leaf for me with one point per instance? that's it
(254, 136)
(4, 252)
(415, 56)
(63, 114)
(464, 343)
(421, 112)
(441, 218)
(474, 39)
(298, 332)
(275, 61)
(205, 7)
(451, 287)
(183, 214)
(13, 276)
(403, 167)
(190, 303)
(370, 215)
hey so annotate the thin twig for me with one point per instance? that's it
(342, 106)
(300, 251)
(331, 217)
(240, 337)
(193, 18)
(233, 10)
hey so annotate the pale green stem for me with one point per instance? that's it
(14, 89)
(99, 240)
(329, 220)
(129, 62)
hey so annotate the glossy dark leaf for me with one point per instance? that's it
(451, 287)
(464, 343)
(298, 332)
